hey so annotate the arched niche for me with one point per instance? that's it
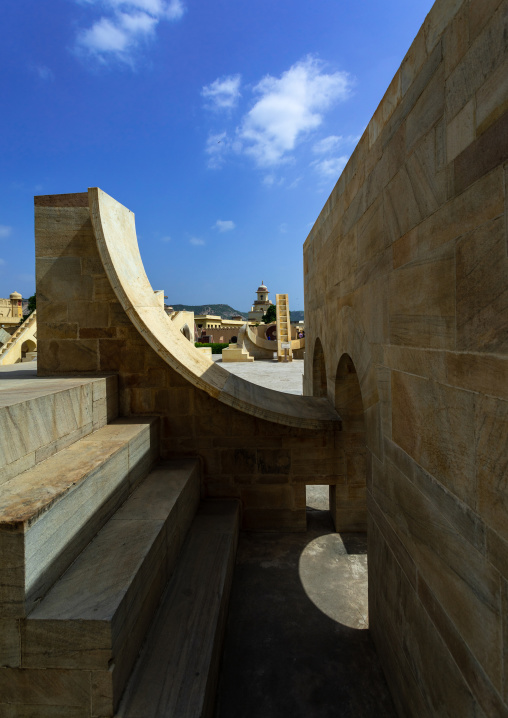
(348, 395)
(186, 332)
(28, 346)
(348, 502)
(318, 370)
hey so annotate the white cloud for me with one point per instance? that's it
(327, 144)
(172, 10)
(283, 228)
(216, 147)
(223, 93)
(125, 23)
(196, 241)
(272, 180)
(295, 182)
(44, 73)
(5, 231)
(224, 225)
(331, 167)
(167, 238)
(2, 262)
(288, 108)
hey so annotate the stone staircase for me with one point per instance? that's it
(94, 532)
(19, 336)
(284, 351)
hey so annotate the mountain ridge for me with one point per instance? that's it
(224, 310)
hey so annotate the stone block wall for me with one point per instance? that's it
(406, 273)
(82, 328)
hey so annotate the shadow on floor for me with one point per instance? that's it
(296, 644)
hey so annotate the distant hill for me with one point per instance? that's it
(223, 310)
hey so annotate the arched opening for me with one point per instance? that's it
(317, 496)
(28, 348)
(186, 332)
(318, 370)
(348, 501)
(348, 395)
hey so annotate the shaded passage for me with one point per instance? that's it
(284, 655)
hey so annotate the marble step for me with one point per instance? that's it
(96, 616)
(40, 416)
(176, 674)
(49, 513)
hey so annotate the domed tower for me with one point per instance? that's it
(16, 305)
(261, 304)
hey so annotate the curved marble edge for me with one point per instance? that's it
(115, 233)
(271, 345)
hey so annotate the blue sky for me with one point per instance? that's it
(223, 125)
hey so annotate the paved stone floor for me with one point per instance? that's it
(297, 644)
(274, 375)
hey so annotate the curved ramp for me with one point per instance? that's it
(271, 345)
(117, 243)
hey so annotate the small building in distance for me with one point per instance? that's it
(212, 328)
(260, 305)
(212, 321)
(11, 310)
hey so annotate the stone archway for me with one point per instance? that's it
(348, 501)
(319, 387)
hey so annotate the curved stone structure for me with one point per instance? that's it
(117, 243)
(98, 313)
(271, 346)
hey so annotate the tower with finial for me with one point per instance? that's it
(261, 304)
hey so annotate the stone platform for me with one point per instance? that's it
(272, 375)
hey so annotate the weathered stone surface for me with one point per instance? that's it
(460, 131)
(492, 98)
(422, 302)
(435, 425)
(435, 327)
(483, 155)
(10, 643)
(492, 462)
(482, 294)
(45, 687)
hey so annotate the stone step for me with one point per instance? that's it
(96, 616)
(49, 513)
(40, 416)
(176, 674)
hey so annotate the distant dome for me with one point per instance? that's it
(262, 288)
(16, 295)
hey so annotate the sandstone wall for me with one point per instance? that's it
(82, 328)
(406, 271)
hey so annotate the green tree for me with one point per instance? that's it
(271, 314)
(31, 304)
(30, 308)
